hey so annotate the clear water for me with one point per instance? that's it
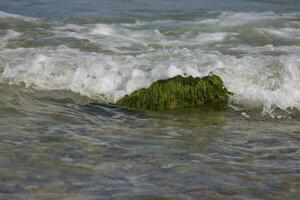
(62, 64)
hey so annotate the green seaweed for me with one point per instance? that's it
(180, 92)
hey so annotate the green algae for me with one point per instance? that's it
(180, 92)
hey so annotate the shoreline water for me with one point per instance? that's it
(61, 146)
(62, 66)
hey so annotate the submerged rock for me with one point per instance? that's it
(180, 92)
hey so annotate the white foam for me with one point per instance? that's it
(173, 71)
(218, 29)
(240, 18)
(226, 19)
(294, 50)
(10, 34)
(245, 115)
(264, 81)
(102, 29)
(104, 35)
(286, 33)
(72, 27)
(208, 38)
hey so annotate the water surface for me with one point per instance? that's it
(63, 64)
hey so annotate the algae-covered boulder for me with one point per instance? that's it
(180, 92)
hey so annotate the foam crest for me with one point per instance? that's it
(226, 19)
(102, 29)
(220, 28)
(240, 18)
(266, 82)
(286, 33)
(109, 36)
(256, 82)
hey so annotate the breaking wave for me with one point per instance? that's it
(256, 54)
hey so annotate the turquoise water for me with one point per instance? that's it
(63, 64)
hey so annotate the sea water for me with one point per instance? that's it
(64, 64)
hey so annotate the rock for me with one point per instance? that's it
(180, 92)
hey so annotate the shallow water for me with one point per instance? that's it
(61, 146)
(62, 64)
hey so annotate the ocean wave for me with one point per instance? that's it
(10, 34)
(256, 54)
(265, 81)
(285, 33)
(5, 15)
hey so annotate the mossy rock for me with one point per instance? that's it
(180, 92)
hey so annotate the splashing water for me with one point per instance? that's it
(256, 55)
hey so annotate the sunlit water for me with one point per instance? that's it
(63, 65)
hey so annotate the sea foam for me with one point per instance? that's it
(239, 47)
(266, 81)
